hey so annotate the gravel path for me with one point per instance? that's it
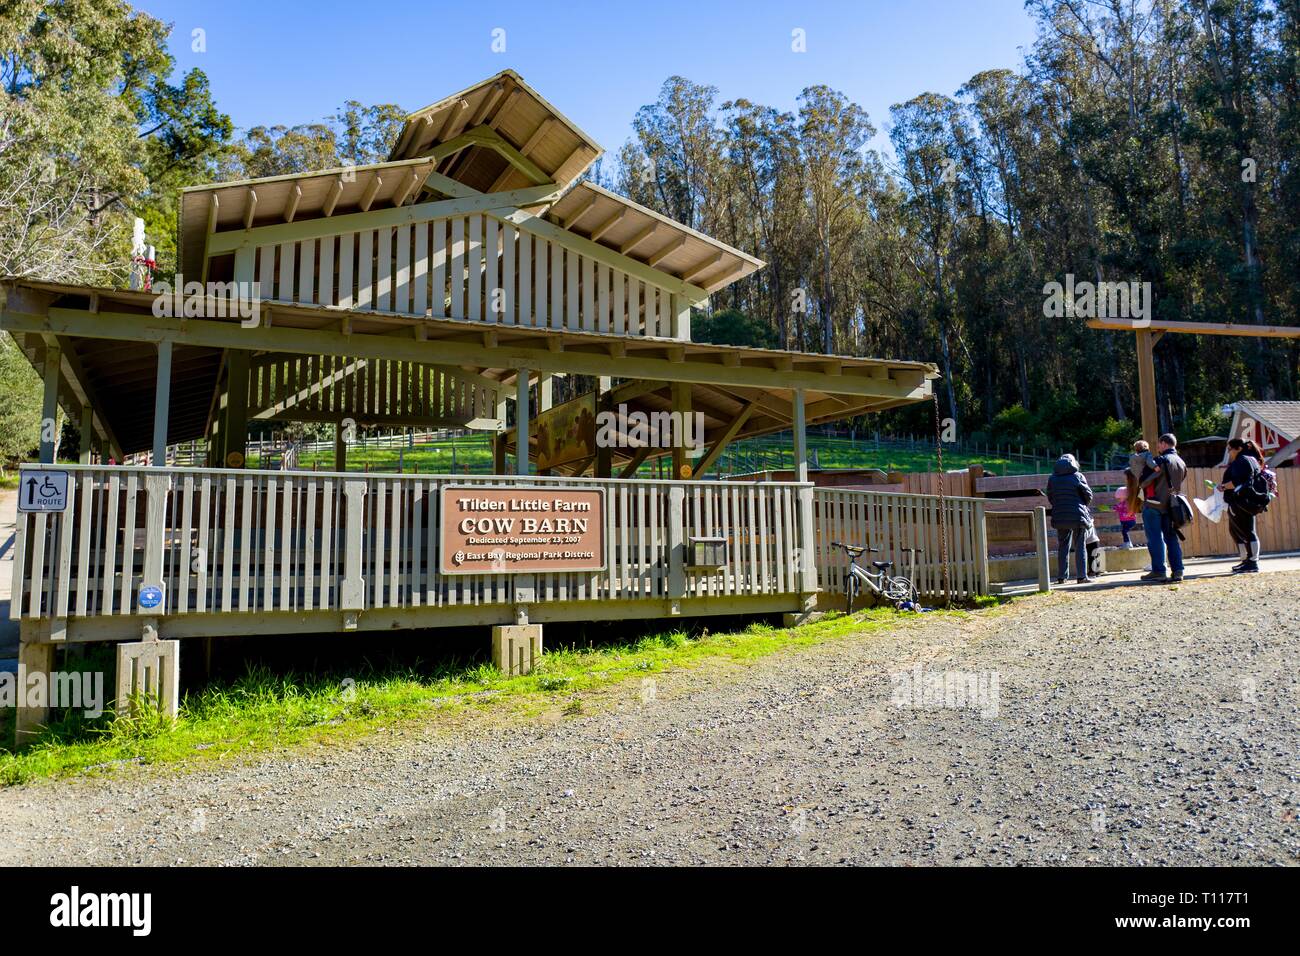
(1146, 725)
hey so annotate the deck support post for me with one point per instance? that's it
(521, 422)
(33, 659)
(516, 648)
(236, 430)
(87, 435)
(149, 672)
(50, 404)
(162, 403)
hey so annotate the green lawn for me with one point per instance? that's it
(473, 454)
(265, 711)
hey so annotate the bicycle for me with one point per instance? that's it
(895, 588)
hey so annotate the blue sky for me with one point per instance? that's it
(279, 62)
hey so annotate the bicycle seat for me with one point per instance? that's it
(882, 565)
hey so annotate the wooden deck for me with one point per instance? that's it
(239, 552)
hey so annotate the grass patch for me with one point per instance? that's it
(263, 711)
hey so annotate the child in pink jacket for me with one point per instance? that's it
(1127, 520)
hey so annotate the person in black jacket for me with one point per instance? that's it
(1069, 494)
(1244, 463)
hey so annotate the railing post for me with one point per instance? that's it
(352, 590)
(676, 544)
(1040, 547)
(981, 548)
(155, 535)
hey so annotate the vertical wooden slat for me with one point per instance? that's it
(284, 288)
(402, 276)
(457, 268)
(474, 268)
(307, 272)
(509, 273)
(346, 244)
(366, 269)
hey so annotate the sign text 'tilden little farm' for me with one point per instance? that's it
(517, 530)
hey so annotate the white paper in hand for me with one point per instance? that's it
(1212, 507)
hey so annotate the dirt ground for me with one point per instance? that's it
(1143, 725)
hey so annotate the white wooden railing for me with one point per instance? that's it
(475, 267)
(892, 522)
(227, 541)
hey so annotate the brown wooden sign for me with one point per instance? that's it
(512, 530)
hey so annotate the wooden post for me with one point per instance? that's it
(521, 422)
(807, 531)
(676, 545)
(50, 405)
(236, 441)
(1147, 385)
(87, 435)
(499, 439)
(33, 658)
(162, 403)
(681, 392)
(1040, 549)
(604, 466)
(340, 448)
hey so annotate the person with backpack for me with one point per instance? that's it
(1241, 487)
(1162, 514)
(1069, 494)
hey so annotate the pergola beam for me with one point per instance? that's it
(530, 350)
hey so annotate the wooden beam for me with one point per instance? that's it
(372, 188)
(532, 350)
(704, 265)
(395, 216)
(454, 112)
(573, 218)
(607, 225)
(408, 186)
(1201, 328)
(250, 207)
(723, 440)
(627, 247)
(214, 206)
(331, 200)
(665, 252)
(542, 129)
(504, 111)
(291, 207)
(489, 100)
(638, 459)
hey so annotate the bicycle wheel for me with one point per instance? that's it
(850, 591)
(899, 590)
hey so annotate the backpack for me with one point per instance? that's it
(1180, 511)
(1270, 476)
(1253, 496)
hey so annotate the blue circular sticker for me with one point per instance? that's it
(150, 597)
